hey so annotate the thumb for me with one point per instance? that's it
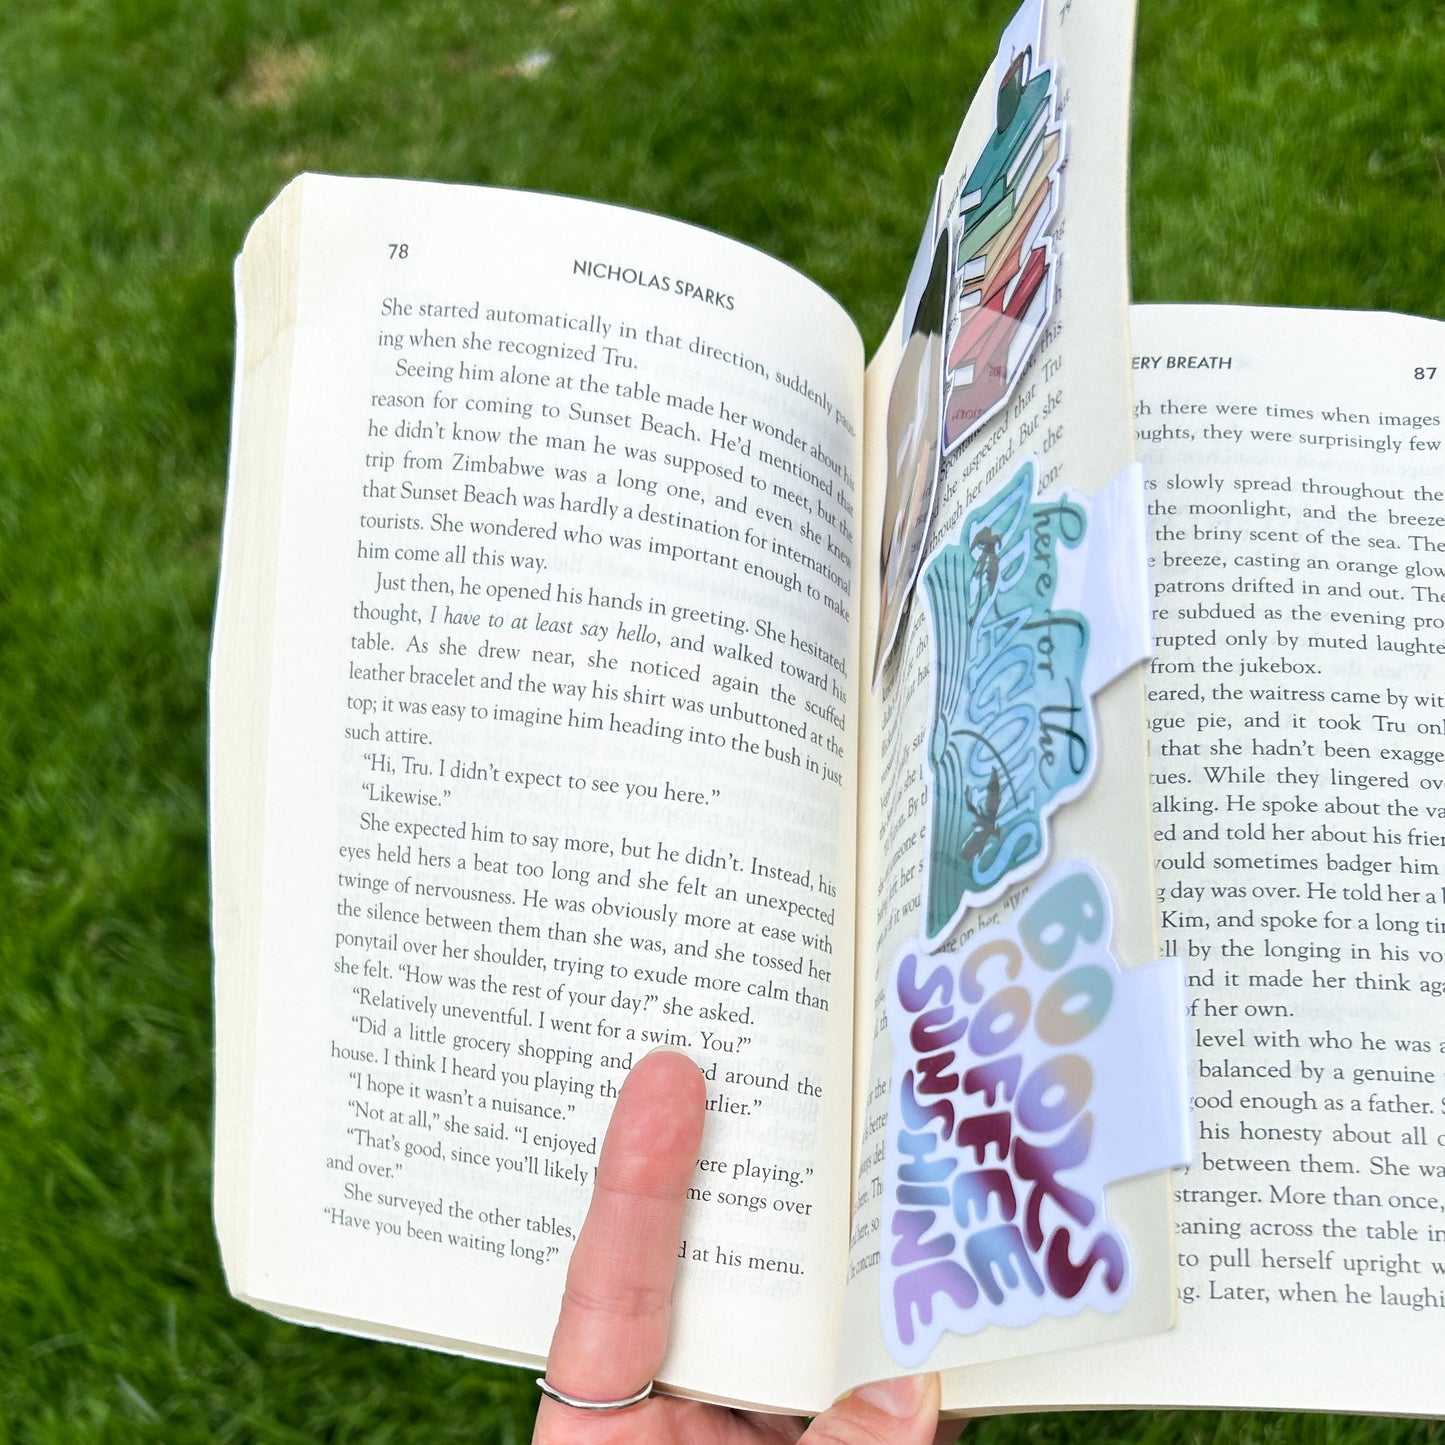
(886, 1412)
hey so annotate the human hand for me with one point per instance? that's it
(612, 1332)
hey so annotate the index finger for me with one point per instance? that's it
(612, 1331)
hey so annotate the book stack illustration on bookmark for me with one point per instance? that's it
(1002, 249)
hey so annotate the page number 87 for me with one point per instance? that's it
(1422, 373)
(396, 251)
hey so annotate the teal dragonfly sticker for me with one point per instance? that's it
(1011, 735)
(1033, 606)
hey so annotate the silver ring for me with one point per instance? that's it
(600, 1407)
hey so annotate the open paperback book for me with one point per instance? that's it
(562, 549)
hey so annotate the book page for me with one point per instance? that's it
(1070, 410)
(559, 769)
(1298, 758)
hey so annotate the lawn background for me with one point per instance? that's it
(1290, 153)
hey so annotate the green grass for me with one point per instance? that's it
(1283, 154)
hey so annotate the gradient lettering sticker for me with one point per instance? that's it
(1029, 1072)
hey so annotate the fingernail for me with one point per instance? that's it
(899, 1398)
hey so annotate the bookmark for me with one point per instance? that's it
(1029, 1073)
(1033, 606)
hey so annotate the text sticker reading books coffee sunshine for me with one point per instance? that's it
(1029, 1072)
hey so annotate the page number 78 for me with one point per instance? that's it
(396, 251)
(1422, 373)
